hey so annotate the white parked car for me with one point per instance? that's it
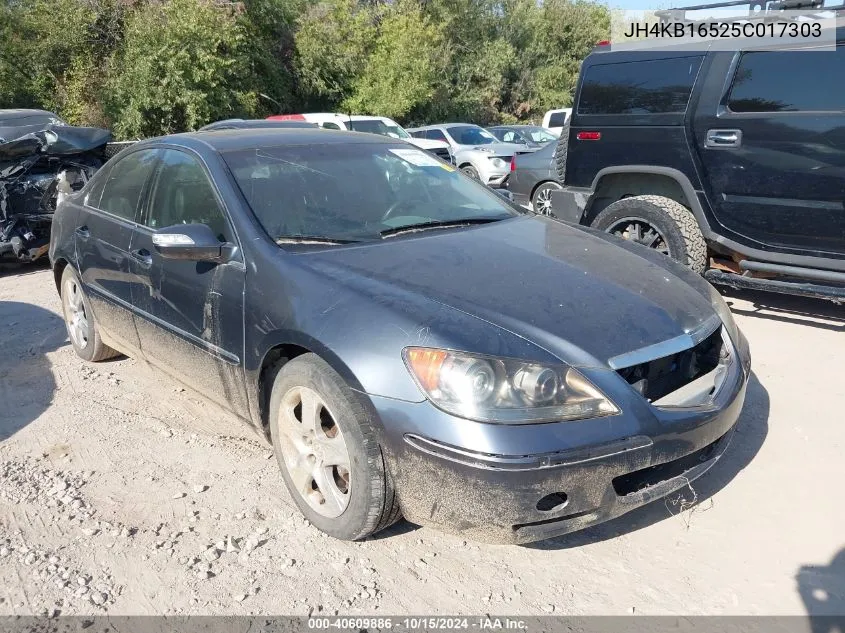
(372, 124)
(555, 120)
(477, 152)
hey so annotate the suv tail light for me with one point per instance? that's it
(588, 136)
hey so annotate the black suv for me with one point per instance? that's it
(730, 162)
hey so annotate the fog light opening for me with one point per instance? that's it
(553, 502)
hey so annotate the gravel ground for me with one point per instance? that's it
(123, 493)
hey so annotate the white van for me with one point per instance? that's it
(372, 124)
(555, 120)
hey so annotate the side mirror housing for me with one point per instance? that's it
(192, 242)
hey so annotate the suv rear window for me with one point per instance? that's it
(661, 86)
(789, 81)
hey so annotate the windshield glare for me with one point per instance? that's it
(355, 191)
(471, 135)
(539, 135)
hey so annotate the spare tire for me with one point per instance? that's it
(561, 149)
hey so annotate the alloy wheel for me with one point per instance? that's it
(640, 231)
(75, 316)
(543, 201)
(314, 452)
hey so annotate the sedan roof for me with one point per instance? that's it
(240, 139)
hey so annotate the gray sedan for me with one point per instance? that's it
(532, 179)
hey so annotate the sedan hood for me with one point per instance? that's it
(500, 149)
(573, 292)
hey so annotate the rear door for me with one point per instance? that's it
(772, 149)
(103, 233)
(190, 314)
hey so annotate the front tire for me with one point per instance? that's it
(79, 320)
(471, 171)
(326, 447)
(659, 223)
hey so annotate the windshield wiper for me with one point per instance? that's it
(312, 239)
(437, 224)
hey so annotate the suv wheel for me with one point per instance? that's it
(541, 201)
(659, 223)
(79, 320)
(325, 444)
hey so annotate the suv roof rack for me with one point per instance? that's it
(757, 10)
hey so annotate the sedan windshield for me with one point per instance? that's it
(471, 135)
(357, 191)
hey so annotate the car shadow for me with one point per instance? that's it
(751, 432)
(816, 313)
(822, 588)
(10, 268)
(27, 383)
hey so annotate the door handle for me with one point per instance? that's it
(717, 139)
(83, 232)
(143, 257)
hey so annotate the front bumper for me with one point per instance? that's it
(523, 483)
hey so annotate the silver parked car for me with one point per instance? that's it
(477, 152)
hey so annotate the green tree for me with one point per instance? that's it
(401, 74)
(333, 42)
(182, 64)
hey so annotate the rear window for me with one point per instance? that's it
(788, 81)
(661, 86)
(372, 126)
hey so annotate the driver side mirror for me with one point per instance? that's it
(192, 242)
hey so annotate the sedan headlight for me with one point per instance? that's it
(509, 391)
(724, 313)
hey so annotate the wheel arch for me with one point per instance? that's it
(280, 348)
(58, 270)
(633, 180)
(540, 183)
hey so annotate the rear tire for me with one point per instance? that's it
(79, 320)
(326, 447)
(541, 201)
(658, 223)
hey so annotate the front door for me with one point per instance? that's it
(773, 151)
(190, 314)
(102, 236)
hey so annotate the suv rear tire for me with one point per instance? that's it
(659, 223)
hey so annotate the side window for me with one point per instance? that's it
(125, 183)
(557, 119)
(183, 194)
(95, 191)
(436, 135)
(660, 86)
(330, 126)
(510, 137)
(778, 81)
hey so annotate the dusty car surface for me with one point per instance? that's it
(409, 341)
(41, 158)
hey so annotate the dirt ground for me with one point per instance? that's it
(123, 493)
